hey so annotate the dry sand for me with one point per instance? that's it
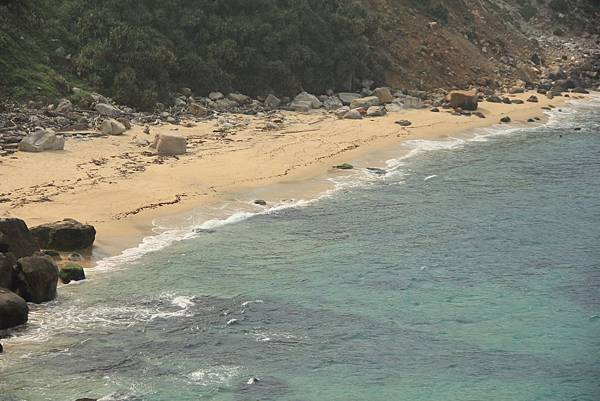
(121, 187)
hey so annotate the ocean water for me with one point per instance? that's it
(469, 271)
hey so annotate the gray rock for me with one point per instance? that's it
(64, 106)
(111, 126)
(39, 277)
(341, 112)
(16, 238)
(225, 104)
(332, 103)
(376, 111)
(404, 123)
(347, 97)
(13, 310)
(384, 94)
(239, 98)
(466, 100)
(170, 143)
(505, 119)
(66, 235)
(41, 140)
(301, 106)
(314, 102)
(353, 115)
(214, 96)
(108, 110)
(411, 102)
(198, 110)
(272, 101)
(365, 102)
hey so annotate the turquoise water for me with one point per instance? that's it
(471, 272)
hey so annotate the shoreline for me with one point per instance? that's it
(293, 161)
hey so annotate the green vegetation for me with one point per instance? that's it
(141, 51)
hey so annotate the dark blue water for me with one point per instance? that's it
(481, 282)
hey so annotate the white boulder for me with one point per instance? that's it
(170, 143)
(41, 140)
(111, 126)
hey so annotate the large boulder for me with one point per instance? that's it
(348, 97)
(13, 309)
(38, 276)
(71, 272)
(108, 110)
(67, 235)
(170, 143)
(365, 102)
(8, 263)
(16, 238)
(384, 95)
(314, 102)
(466, 100)
(111, 126)
(41, 140)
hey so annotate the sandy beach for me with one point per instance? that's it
(121, 187)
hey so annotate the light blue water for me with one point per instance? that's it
(479, 283)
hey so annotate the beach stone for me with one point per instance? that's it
(494, 99)
(239, 98)
(170, 143)
(66, 235)
(344, 166)
(533, 99)
(71, 272)
(41, 140)
(365, 102)
(348, 97)
(505, 119)
(13, 310)
(272, 101)
(376, 111)
(353, 115)
(301, 106)
(108, 110)
(8, 263)
(411, 102)
(38, 276)
(404, 123)
(517, 101)
(198, 110)
(112, 127)
(384, 95)
(332, 103)
(225, 104)
(16, 238)
(314, 102)
(64, 106)
(214, 96)
(260, 202)
(466, 100)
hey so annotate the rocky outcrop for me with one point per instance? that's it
(13, 309)
(466, 100)
(41, 140)
(170, 143)
(38, 277)
(111, 126)
(67, 235)
(16, 238)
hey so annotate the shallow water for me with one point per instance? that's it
(470, 272)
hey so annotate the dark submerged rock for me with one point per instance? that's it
(66, 235)
(260, 202)
(344, 166)
(13, 309)
(505, 119)
(71, 272)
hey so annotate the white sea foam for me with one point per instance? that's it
(214, 376)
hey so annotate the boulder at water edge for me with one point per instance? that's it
(16, 238)
(170, 143)
(71, 272)
(38, 277)
(13, 309)
(8, 263)
(466, 100)
(67, 235)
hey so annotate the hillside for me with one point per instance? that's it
(142, 52)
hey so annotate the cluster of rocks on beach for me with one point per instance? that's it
(33, 261)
